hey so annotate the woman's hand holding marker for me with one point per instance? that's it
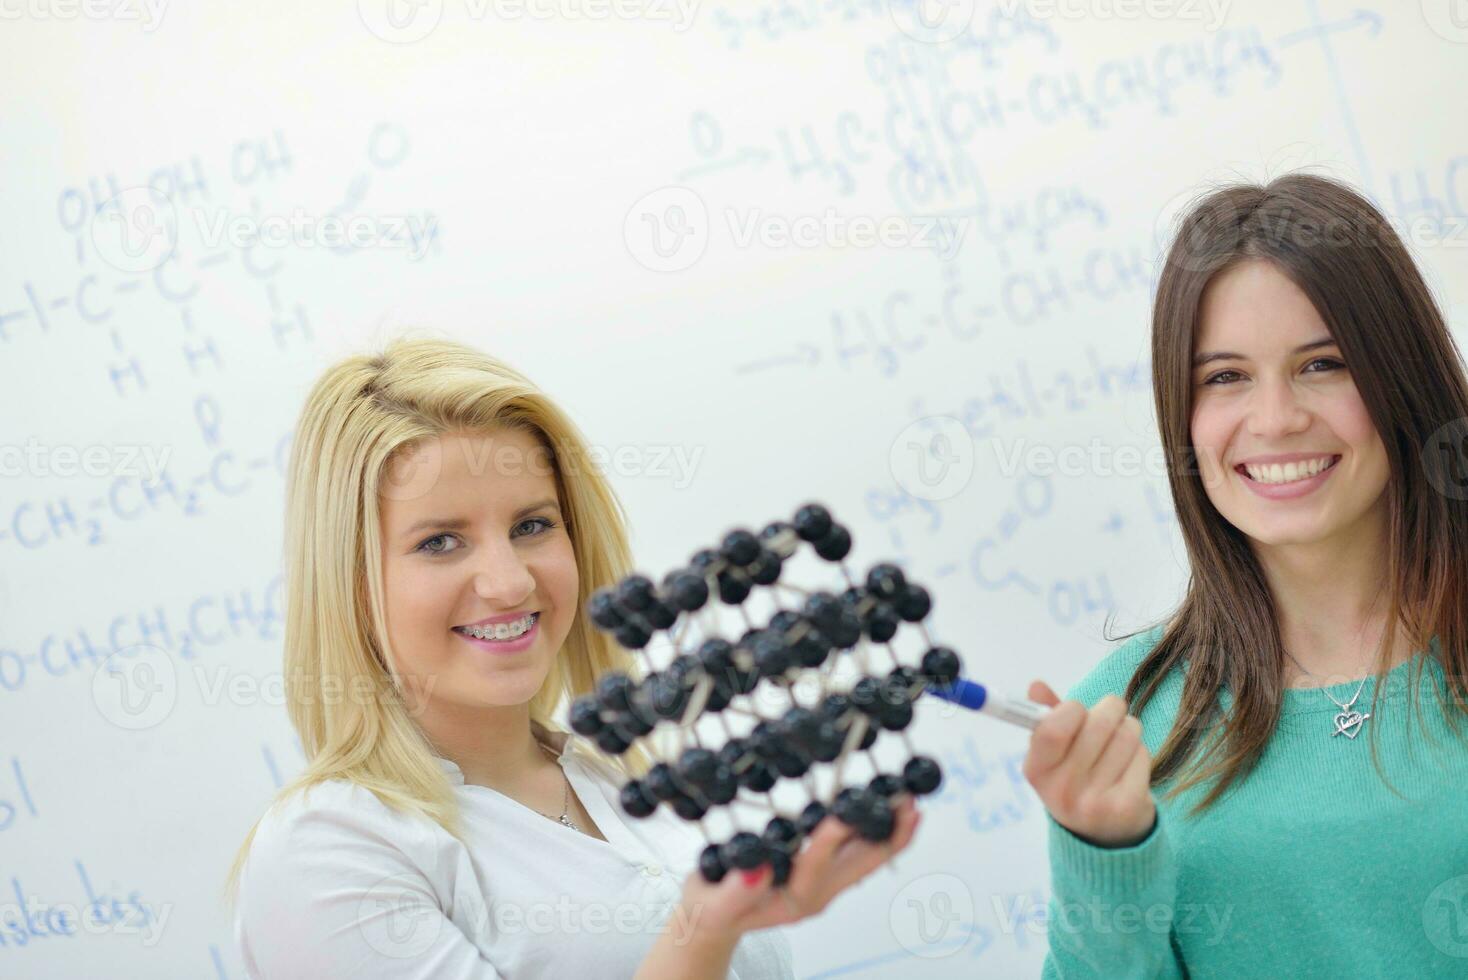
(1091, 769)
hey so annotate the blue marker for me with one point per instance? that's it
(976, 697)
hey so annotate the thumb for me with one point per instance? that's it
(1041, 693)
(744, 891)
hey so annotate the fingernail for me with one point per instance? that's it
(752, 878)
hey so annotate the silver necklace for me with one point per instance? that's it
(565, 816)
(1348, 721)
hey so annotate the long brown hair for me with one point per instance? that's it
(1342, 253)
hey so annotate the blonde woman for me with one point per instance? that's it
(443, 532)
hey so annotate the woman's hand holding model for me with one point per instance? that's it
(708, 922)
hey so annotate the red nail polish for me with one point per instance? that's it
(754, 877)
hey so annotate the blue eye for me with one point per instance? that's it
(434, 551)
(544, 522)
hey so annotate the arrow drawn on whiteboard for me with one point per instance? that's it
(749, 154)
(1370, 18)
(809, 357)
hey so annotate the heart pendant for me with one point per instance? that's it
(1349, 723)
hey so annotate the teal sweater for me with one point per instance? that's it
(1310, 867)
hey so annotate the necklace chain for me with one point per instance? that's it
(565, 817)
(1348, 721)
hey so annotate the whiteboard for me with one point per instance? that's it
(881, 256)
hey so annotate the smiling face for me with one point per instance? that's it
(472, 530)
(1271, 397)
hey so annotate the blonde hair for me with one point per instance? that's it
(362, 414)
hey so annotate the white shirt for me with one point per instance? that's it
(343, 886)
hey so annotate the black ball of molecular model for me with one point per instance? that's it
(729, 683)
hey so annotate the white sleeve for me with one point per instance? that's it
(327, 893)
